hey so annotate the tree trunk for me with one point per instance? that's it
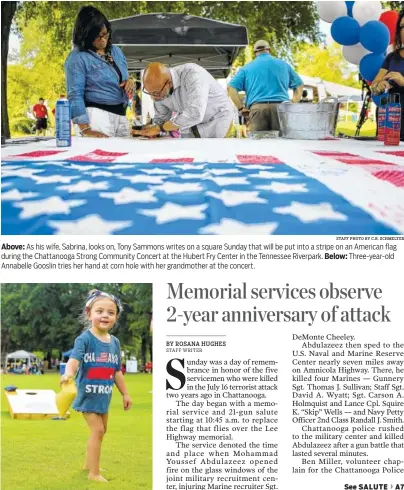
(150, 337)
(5, 342)
(7, 13)
(143, 351)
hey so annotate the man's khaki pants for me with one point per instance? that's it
(264, 117)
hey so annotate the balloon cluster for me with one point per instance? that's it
(364, 31)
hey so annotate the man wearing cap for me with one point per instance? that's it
(266, 81)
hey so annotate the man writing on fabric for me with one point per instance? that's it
(40, 113)
(266, 81)
(201, 106)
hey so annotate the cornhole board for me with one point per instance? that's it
(32, 404)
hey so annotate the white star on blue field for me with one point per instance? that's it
(174, 199)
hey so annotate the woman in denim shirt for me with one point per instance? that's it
(98, 83)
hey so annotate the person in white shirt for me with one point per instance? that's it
(187, 99)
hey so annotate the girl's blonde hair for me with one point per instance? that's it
(92, 297)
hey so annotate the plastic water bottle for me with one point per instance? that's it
(63, 126)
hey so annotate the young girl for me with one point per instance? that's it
(97, 355)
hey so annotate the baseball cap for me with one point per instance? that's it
(261, 45)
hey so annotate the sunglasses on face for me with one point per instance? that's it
(156, 94)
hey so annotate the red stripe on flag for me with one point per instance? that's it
(35, 154)
(395, 153)
(172, 160)
(362, 161)
(98, 156)
(350, 158)
(257, 159)
(389, 172)
(395, 177)
(102, 373)
(328, 153)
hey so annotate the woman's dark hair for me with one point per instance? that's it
(88, 26)
(397, 38)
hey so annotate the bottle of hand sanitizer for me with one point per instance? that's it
(381, 118)
(393, 121)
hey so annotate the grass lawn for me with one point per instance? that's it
(49, 454)
(349, 128)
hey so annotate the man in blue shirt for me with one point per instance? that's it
(266, 81)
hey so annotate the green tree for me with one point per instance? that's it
(7, 13)
(18, 87)
(139, 299)
(394, 5)
(47, 317)
(328, 63)
(39, 73)
(282, 23)
(10, 300)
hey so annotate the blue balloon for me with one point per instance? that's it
(349, 6)
(375, 36)
(346, 31)
(370, 65)
(377, 99)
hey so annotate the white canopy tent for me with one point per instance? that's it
(343, 93)
(357, 99)
(22, 355)
(331, 88)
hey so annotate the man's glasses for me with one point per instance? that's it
(156, 94)
(102, 36)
